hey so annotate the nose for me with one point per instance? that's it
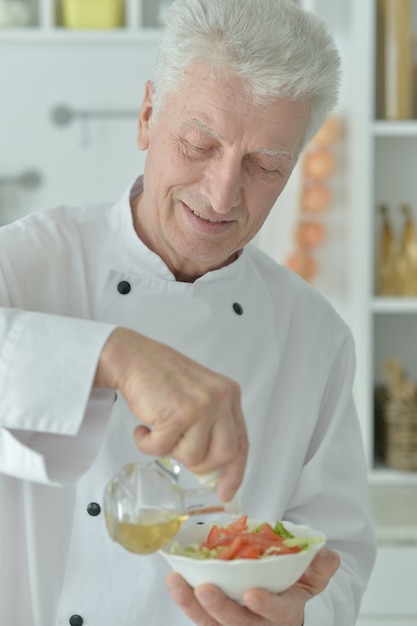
(224, 184)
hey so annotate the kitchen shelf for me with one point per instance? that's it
(64, 35)
(393, 305)
(387, 477)
(404, 128)
(383, 154)
(141, 20)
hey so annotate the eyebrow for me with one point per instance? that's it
(196, 122)
(276, 152)
(218, 137)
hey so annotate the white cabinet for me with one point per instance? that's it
(382, 157)
(392, 590)
(391, 596)
(378, 167)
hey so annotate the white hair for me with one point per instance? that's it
(275, 47)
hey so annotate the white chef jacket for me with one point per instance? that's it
(60, 441)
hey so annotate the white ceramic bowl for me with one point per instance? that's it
(274, 573)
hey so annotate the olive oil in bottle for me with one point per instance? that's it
(145, 506)
(151, 530)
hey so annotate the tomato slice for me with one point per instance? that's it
(227, 553)
(238, 525)
(212, 537)
(237, 541)
(249, 552)
(266, 530)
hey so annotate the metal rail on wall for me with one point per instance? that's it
(63, 115)
(28, 180)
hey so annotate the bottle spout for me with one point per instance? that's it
(205, 501)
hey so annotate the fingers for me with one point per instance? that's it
(203, 434)
(187, 410)
(209, 438)
(318, 574)
(280, 610)
(228, 442)
(193, 420)
(290, 604)
(233, 472)
(207, 605)
(183, 595)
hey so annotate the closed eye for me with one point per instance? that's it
(194, 150)
(260, 171)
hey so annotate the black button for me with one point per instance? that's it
(123, 287)
(238, 308)
(76, 620)
(93, 509)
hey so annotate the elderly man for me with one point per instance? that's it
(213, 348)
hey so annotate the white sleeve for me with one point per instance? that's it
(51, 423)
(333, 493)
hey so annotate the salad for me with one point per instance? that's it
(239, 541)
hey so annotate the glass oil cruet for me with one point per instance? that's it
(145, 506)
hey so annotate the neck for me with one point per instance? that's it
(187, 271)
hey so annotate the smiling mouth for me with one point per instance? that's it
(206, 219)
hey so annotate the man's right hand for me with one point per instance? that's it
(188, 411)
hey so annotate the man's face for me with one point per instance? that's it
(216, 164)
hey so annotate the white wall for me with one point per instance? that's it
(79, 163)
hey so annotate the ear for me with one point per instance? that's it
(145, 116)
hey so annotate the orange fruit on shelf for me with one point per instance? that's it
(329, 133)
(310, 234)
(303, 264)
(315, 198)
(320, 163)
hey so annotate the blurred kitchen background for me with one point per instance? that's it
(72, 75)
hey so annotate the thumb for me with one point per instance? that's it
(322, 568)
